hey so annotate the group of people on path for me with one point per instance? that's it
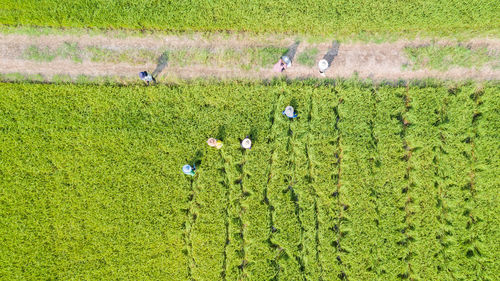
(284, 62)
(245, 144)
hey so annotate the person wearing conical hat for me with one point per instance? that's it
(214, 143)
(146, 77)
(323, 66)
(289, 112)
(280, 66)
(188, 170)
(246, 143)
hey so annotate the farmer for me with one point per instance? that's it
(188, 170)
(246, 143)
(289, 112)
(283, 63)
(146, 77)
(328, 58)
(323, 66)
(214, 143)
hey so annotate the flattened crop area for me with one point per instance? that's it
(368, 183)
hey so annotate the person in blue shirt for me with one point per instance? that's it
(146, 77)
(188, 170)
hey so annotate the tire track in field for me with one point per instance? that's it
(311, 186)
(406, 189)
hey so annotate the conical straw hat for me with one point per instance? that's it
(289, 111)
(323, 65)
(187, 169)
(212, 142)
(246, 143)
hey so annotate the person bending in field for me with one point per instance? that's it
(146, 77)
(282, 64)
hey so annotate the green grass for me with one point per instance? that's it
(39, 54)
(333, 18)
(445, 57)
(308, 57)
(132, 56)
(66, 51)
(246, 58)
(369, 182)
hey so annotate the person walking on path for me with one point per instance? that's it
(327, 60)
(286, 59)
(146, 77)
(280, 66)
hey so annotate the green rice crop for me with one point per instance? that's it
(314, 17)
(369, 182)
(308, 57)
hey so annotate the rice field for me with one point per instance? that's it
(369, 182)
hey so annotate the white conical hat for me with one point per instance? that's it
(289, 111)
(212, 142)
(246, 143)
(323, 65)
(187, 169)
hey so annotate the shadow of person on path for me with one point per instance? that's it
(332, 52)
(161, 64)
(290, 53)
(286, 58)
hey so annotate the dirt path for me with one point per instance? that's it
(385, 61)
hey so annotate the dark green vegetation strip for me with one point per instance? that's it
(368, 182)
(306, 16)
